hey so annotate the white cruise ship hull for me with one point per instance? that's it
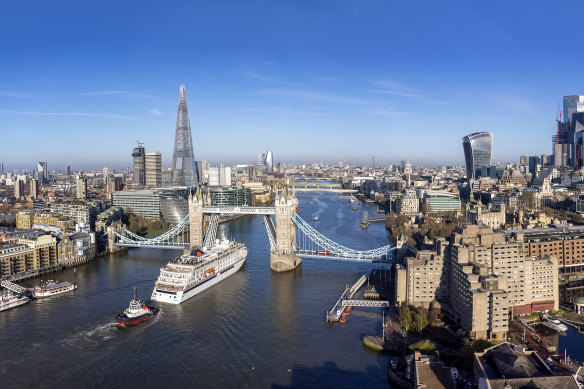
(180, 296)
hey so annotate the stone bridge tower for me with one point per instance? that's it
(196, 202)
(284, 257)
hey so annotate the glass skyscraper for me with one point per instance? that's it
(477, 152)
(572, 104)
(184, 168)
(139, 173)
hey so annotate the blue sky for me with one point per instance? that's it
(81, 82)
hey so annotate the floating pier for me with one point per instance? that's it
(346, 300)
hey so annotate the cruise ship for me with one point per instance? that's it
(190, 274)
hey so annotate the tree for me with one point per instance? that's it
(423, 346)
(405, 317)
(420, 319)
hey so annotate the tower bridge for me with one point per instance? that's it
(291, 237)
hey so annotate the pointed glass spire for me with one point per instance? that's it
(184, 166)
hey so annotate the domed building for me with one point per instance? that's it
(579, 304)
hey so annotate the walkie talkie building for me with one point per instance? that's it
(184, 166)
(477, 152)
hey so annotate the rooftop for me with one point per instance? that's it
(434, 375)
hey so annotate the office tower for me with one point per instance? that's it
(262, 159)
(534, 165)
(68, 170)
(269, 161)
(18, 188)
(184, 168)
(205, 171)
(213, 176)
(477, 152)
(81, 182)
(139, 174)
(42, 173)
(572, 104)
(153, 169)
(562, 152)
(1, 168)
(105, 174)
(341, 165)
(225, 176)
(523, 160)
(546, 160)
(34, 189)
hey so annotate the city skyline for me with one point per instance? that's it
(322, 78)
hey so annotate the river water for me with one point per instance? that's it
(256, 329)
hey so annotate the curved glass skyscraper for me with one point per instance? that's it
(184, 167)
(477, 152)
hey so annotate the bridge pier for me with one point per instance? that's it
(284, 257)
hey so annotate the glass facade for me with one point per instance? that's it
(442, 202)
(139, 173)
(477, 152)
(184, 168)
(229, 197)
(173, 207)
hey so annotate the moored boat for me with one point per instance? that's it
(555, 325)
(52, 288)
(136, 312)
(10, 300)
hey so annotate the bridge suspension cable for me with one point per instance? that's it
(271, 231)
(330, 247)
(167, 239)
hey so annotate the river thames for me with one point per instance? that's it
(256, 329)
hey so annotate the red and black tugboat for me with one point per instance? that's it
(136, 312)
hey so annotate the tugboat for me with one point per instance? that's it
(136, 312)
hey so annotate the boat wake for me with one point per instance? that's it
(93, 336)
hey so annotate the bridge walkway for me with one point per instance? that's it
(335, 313)
(13, 287)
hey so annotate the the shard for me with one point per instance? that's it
(184, 166)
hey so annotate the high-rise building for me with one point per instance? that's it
(269, 161)
(261, 159)
(341, 165)
(184, 168)
(81, 182)
(225, 176)
(105, 174)
(572, 104)
(42, 173)
(1, 167)
(214, 176)
(153, 169)
(205, 171)
(34, 189)
(562, 152)
(477, 152)
(534, 163)
(18, 188)
(523, 160)
(67, 170)
(139, 174)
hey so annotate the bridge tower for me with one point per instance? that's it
(284, 257)
(196, 202)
